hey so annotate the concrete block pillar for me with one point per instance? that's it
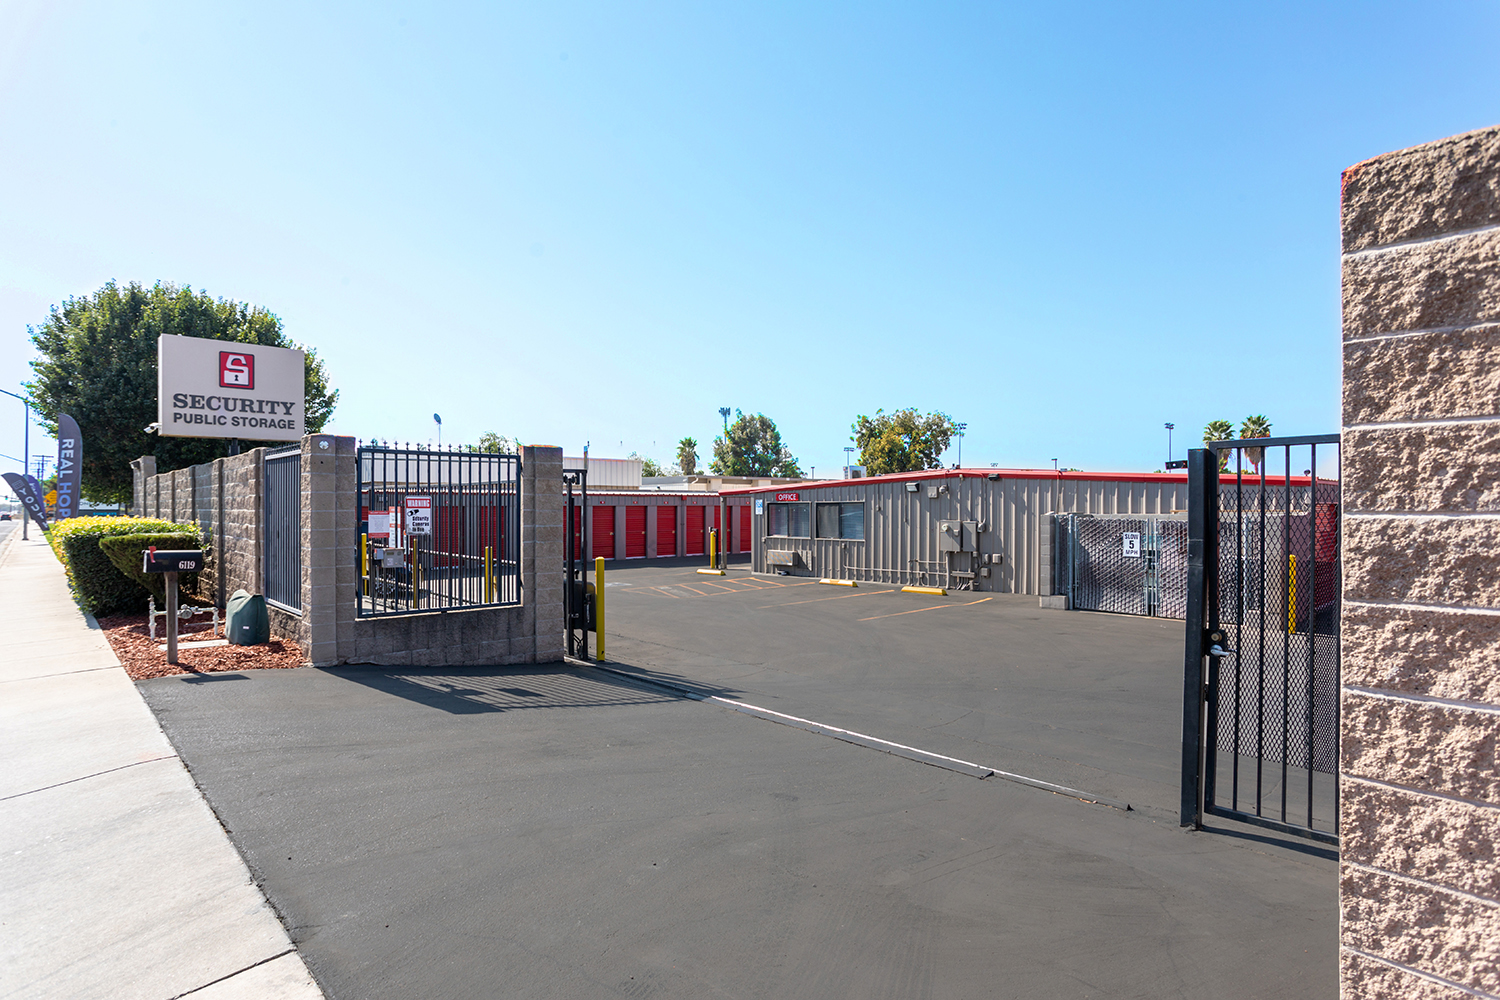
(329, 527)
(542, 552)
(1420, 706)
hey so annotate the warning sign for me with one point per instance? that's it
(419, 516)
(1132, 544)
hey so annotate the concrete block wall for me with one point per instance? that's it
(227, 498)
(329, 628)
(1420, 795)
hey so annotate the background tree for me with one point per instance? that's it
(687, 457)
(903, 441)
(98, 362)
(1255, 427)
(649, 466)
(753, 448)
(1219, 430)
(491, 443)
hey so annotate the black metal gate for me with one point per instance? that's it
(283, 522)
(439, 530)
(577, 602)
(1261, 670)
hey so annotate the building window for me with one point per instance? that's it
(841, 520)
(789, 519)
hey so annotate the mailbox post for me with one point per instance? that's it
(171, 562)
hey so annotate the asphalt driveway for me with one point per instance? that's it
(560, 831)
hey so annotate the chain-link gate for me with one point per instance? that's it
(1260, 729)
(1125, 565)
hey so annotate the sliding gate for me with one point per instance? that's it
(1261, 677)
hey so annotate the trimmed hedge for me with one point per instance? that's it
(100, 587)
(125, 552)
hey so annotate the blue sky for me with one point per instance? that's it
(1063, 225)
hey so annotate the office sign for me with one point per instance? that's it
(419, 515)
(788, 497)
(224, 389)
(69, 467)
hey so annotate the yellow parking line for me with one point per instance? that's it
(933, 607)
(837, 597)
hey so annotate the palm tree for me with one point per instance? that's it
(1255, 427)
(1219, 430)
(687, 457)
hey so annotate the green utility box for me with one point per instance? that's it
(245, 620)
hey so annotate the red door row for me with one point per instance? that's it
(602, 527)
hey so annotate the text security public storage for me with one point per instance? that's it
(225, 389)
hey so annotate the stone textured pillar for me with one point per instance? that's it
(326, 522)
(542, 552)
(1420, 797)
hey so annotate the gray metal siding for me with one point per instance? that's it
(901, 527)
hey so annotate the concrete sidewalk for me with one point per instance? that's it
(116, 880)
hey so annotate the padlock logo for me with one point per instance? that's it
(236, 371)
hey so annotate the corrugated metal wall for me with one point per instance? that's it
(901, 527)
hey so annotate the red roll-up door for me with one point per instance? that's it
(449, 544)
(635, 532)
(666, 531)
(694, 540)
(744, 538)
(492, 532)
(603, 531)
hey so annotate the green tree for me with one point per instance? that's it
(491, 443)
(753, 448)
(1219, 430)
(1256, 426)
(98, 363)
(903, 441)
(649, 466)
(687, 457)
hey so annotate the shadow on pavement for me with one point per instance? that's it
(474, 690)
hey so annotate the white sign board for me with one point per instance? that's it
(223, 389)
(379, 524)
(419, 515)
(1132, 544)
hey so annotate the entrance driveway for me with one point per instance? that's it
(562, 831)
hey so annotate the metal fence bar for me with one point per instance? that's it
(451, 540)
(283, 530)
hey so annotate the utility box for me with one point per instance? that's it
(950, 536)
(245, 620)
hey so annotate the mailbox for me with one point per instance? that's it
(172, 560)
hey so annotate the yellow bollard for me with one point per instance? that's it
(364, 563)
(599, 608)
(1291, 595)
(713, 542)
(489, 582)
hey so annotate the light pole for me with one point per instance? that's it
(439, 421)
(848, 462)
(961, 429)
(1169, 441)
(25, 451)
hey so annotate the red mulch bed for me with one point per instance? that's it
(129, 637)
